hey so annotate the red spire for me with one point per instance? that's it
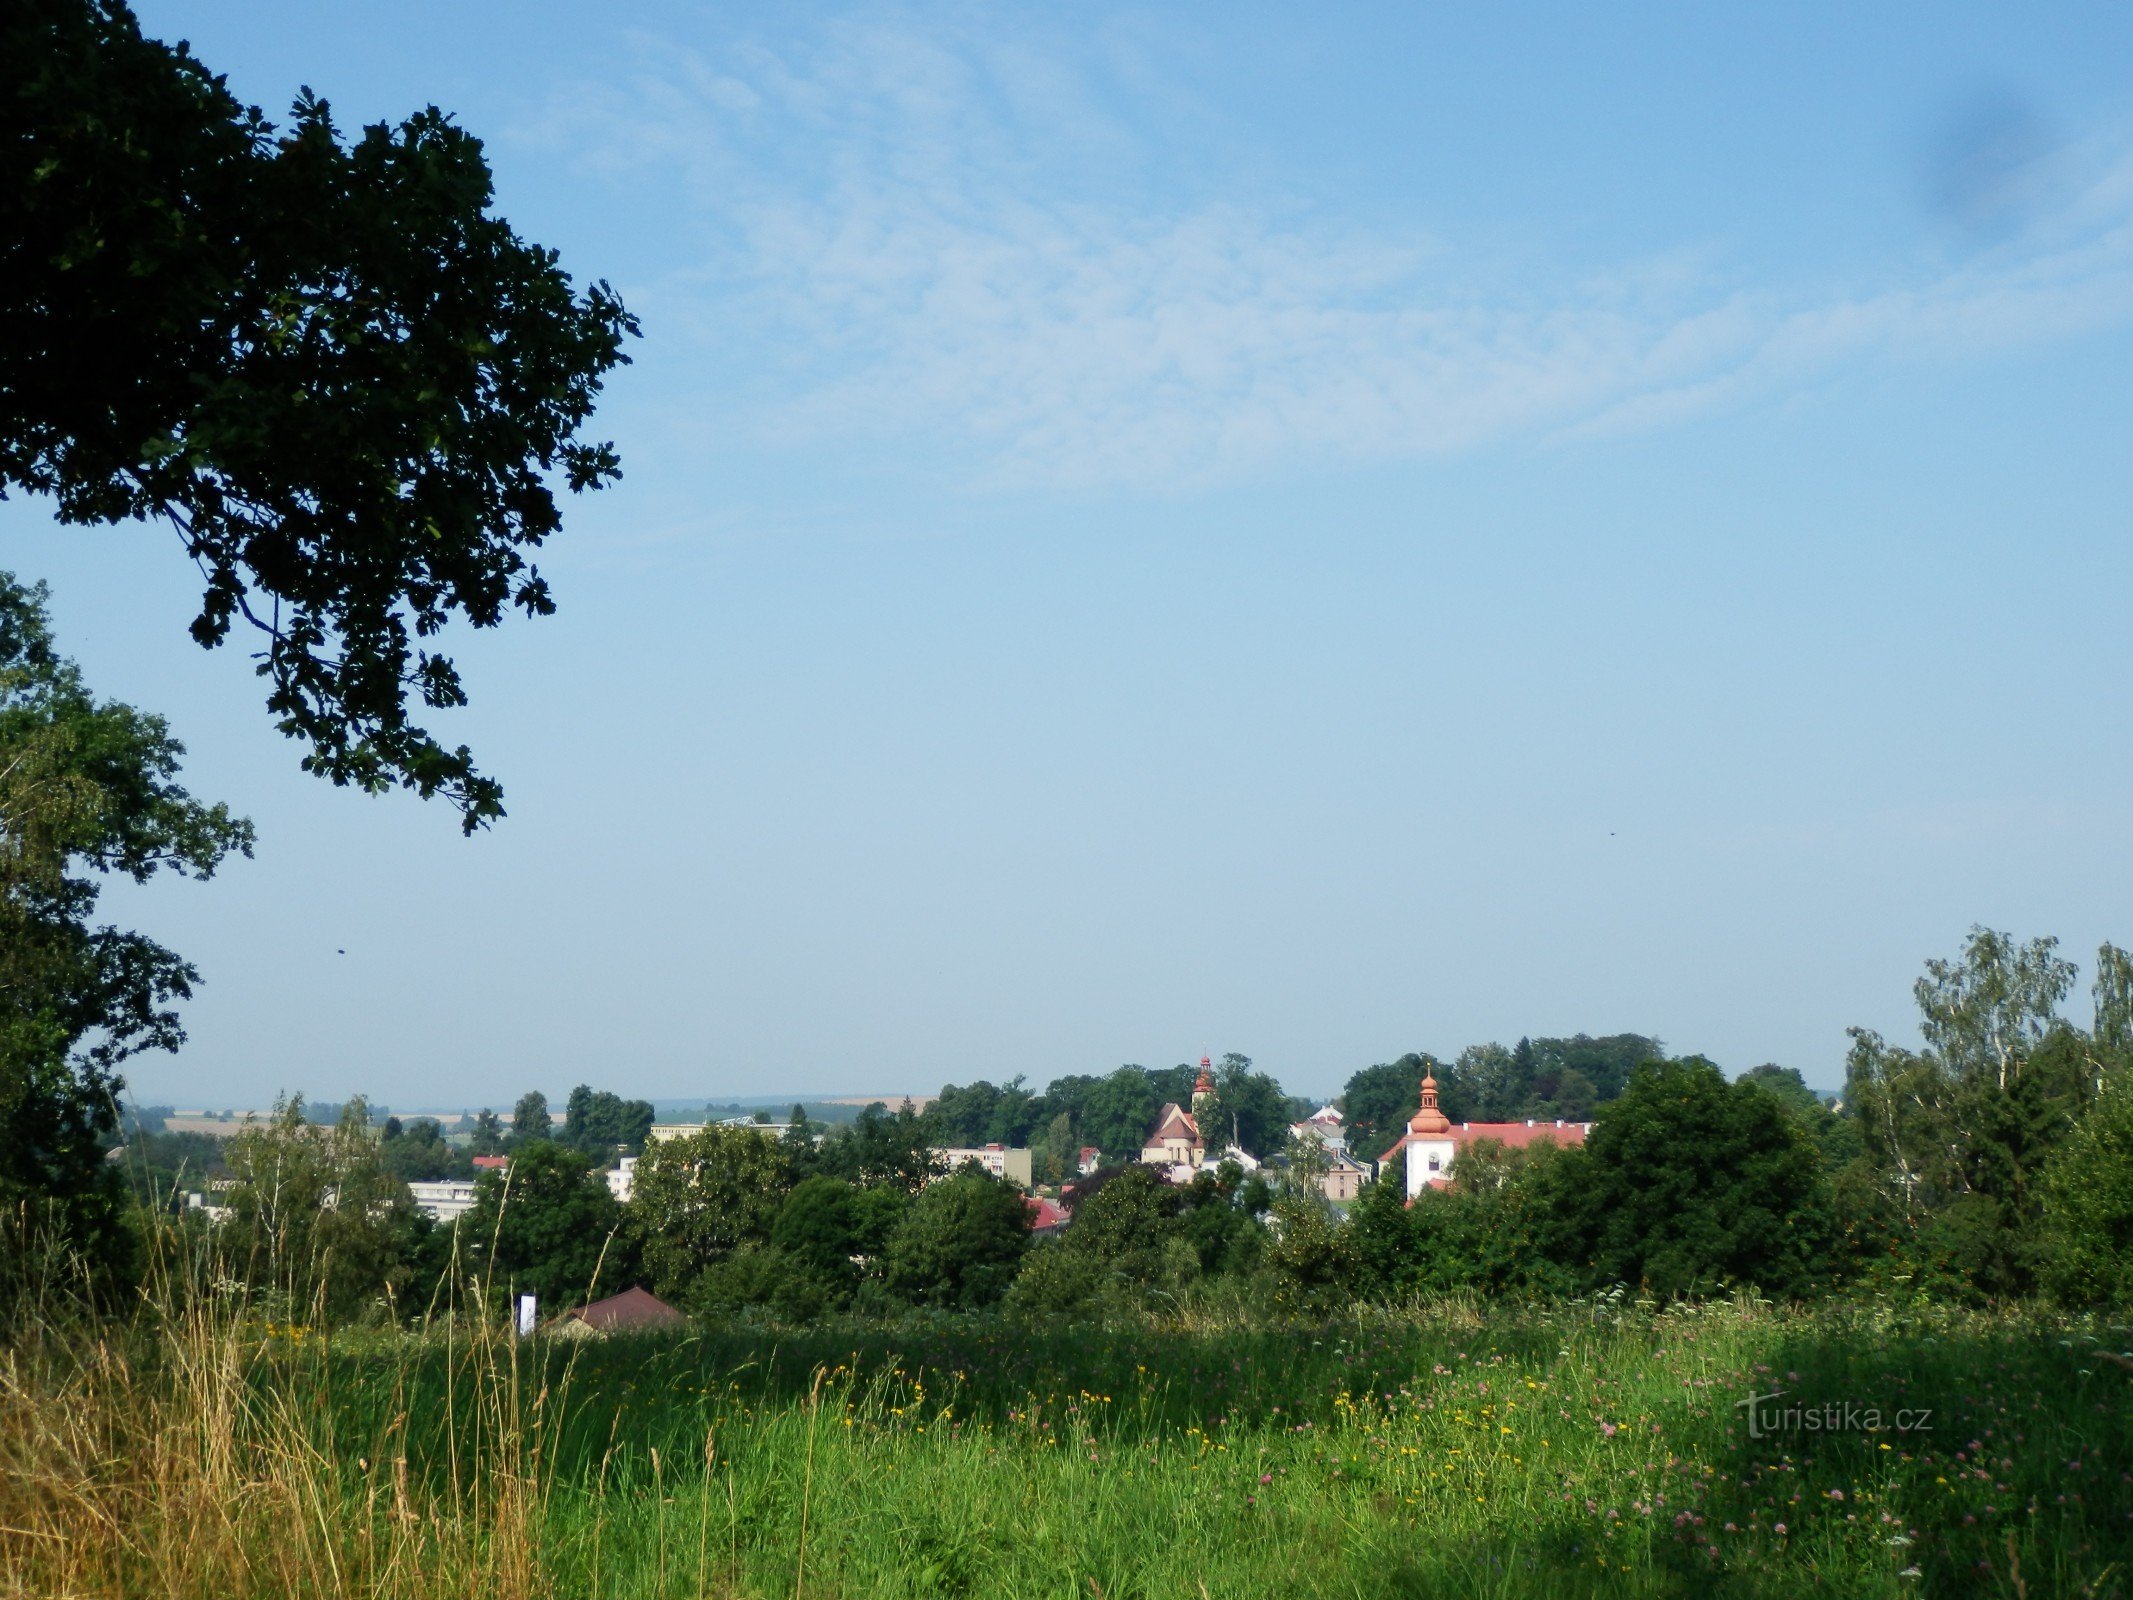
(1205, 1082)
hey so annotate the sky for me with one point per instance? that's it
(1312, 531)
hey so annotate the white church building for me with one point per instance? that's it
(1432, 1141)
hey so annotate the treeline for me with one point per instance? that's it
(1994, 1163)
(1538, 1079)
(319, 1223)
(1112, 1113)
(163, 1165)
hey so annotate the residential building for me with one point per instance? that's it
(683, 1130)
(1047, 1216)
(1325, 1125)
(622, 1179)
(444, 1201)
(1012, 1166)
(1431, 1142)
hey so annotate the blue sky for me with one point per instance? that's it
(1311, 531)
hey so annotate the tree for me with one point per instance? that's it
(1378, 1100)
(2088, 1206)
(1119, 1110)
(316, 1219)
(800, 1140)
(530, 1118)
(700, 1198)
(817, 1231)
(1487, 1083)
(2112, 1030)
(488, 1136)
(1127, 1220)
(1313, 1257)
(964, 1116)
(344, 382)
(548, 1226)
(1958, 1134)
(1985, 1014)
(1605, 1064)
(418, 1152)
(598, 1124)
(882, 1148)
(1254, 1109)
(960, 1243)
(1689, 1183)
(88, 789)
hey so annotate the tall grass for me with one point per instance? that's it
(208, 1449)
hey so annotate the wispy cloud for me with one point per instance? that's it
(955, 240)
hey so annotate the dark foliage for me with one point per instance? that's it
(343, 382)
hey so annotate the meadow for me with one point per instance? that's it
(1446, 1449)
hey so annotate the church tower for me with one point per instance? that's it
(1203, 1093)
(1430, 1147)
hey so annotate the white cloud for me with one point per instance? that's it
(948, 240)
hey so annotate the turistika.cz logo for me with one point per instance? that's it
(1766, 1417)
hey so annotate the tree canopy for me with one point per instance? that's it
(88, 788)
(345, 384)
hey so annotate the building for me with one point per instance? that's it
(683, 1130)
(631, 1311)
(491, 1163)
(1177, 1145)
(1011, 1166)
(1344, 1176)
(622, 1179)
(1432, 1142)
(447, 1200)
(1325, 1125)
(1046, 1217)
(1088, 1159)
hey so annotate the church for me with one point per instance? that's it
(1433, 1142)
(1177, 1147)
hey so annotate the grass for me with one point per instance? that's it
(1446, 1450)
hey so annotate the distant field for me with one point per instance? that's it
(1441, 1453)
(218, 1127)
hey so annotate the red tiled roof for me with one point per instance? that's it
(1174, 1116)
(491, 1163)
(632, 1308)
(1511, 1135)
(1045, 1214)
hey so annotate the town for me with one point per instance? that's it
(949, 801)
